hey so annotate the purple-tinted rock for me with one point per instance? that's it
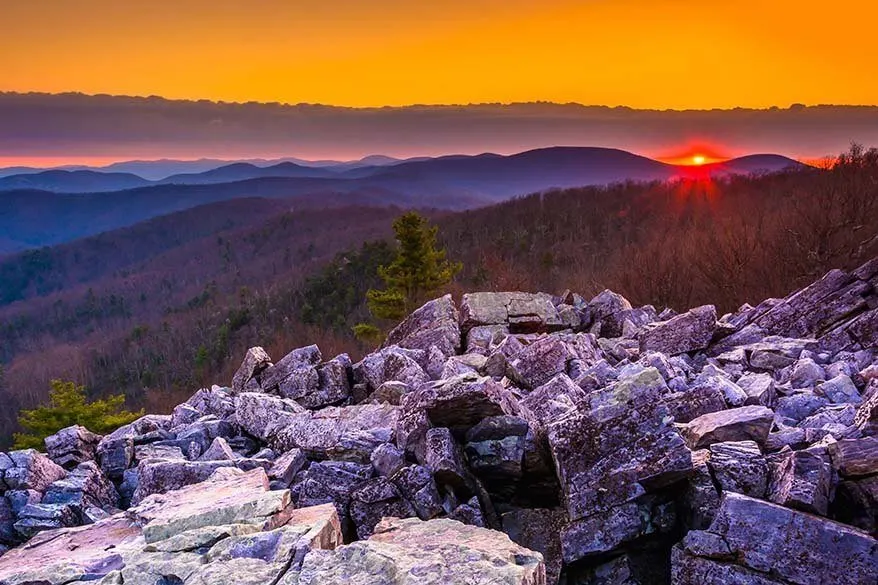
(684, 333)
(747, 423)
(71, 446)
(434, 324)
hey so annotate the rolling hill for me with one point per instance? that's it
(62, 181)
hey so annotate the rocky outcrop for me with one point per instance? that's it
(523, 438)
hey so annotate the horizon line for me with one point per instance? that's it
(153, 97)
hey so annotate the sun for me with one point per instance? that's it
(699, 159)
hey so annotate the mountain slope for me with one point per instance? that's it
(246, 171)
(32, 218)
(61, 181)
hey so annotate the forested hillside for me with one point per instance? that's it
(160, 308)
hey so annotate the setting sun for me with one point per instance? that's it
(698, 159)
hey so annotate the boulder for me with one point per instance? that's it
(684, 333)
(540, 361)
(853, 458)
(759, 388)
(255, 362)
(839, 390)
(71, 446)
(747, 423)
(614, 450)
(84, 553)
(373, 500)
(538, 529)
(416, 484)
(391, 364)
(285, 467)
(32, 471)
(84, 487)
(739, 467)
(348, 433)
(405, 552)
(436, 324)
(219, 450)
(263, 416)
(856, 503)
(460, 402)
(295, 364)
(521, 312)
(752, 541)
(801, 480)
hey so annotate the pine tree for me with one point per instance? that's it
(68, 406)
(419, 269)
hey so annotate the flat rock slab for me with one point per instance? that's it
(71, 554)
(230, 496)
(747, 423)
(438, 552)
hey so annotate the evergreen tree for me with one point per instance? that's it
(68, 406)
(419, 269)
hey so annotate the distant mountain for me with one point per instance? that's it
(757, 163)
(37, 218)
(72, 181)
(246, 171)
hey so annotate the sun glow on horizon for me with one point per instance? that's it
(699, 159)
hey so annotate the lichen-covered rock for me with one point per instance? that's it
(413, 552)
(255, 362)
(71, 446)
(751, 541)
(436, 324)
(739, 467)
(801, 480)
(32, 471)
(747, 423)
(681, 334)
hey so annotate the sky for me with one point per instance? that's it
(640, 53)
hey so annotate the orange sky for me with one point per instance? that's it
(640, 53)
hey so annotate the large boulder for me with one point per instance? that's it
(690, 331)
(413, 552)
(521, 312)
(434, 324)
(32, 471)
(613, 450)
(747, 423)
(752, 541)
(71, 446)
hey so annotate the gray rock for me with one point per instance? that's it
(71, 446)
(684, 333)
(434, 324)
(747, 423)
(374, 500)
(391, 364)
(799, 405)
(387, 459)
(697, 401)
(445, 460)
(521, 312)
(839, 390)
(285, 467)
(84, 487)
(219, 450)
(540, 361)
(752, 541)
(866, 419)
(460, 402)
(801, 480)
(403, 552)
(333, 384)
(617, 450)
(416, 484)
(390, 393)
(538, 530)
(739, 467)
(854, 458)
(255, 362)
(32, 471)
(759, 388)
(263, 416)
(294, 363)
